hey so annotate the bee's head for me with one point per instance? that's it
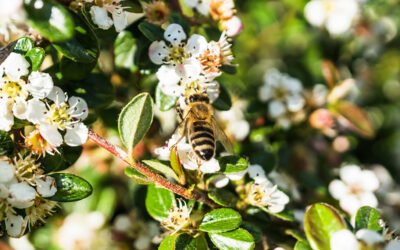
(195, 93)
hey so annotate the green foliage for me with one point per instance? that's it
(151, 31)
(302, 245)
(135, 119)
(23, 45)
(159, 201)
(220, 220)
(163, 101)
(233, 164)
(368, 218)
(238, 239)
(124, 49)
(36, 57)
(161, 168)
(223, 197)
(223, 101)
(66, 157)
(137, 176)
(320, 221)
(6, 144)
(70, 188)
(183, 242)
(51, 19)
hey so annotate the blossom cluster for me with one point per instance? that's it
(32, 97)
(24, 186)
(222, 11)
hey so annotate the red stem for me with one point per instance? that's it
(151, 175)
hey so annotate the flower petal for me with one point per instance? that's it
(21, 195)
(257, 173)
(39, 84)
(77, 135)
(196, 44)
(45, 186)
(57, 95)
(15, 225)
(6, 172)
(120, 20)
(209, 167)
(20, 109)
(100, 17)
(36, 111)
(15, 66)
(174, 34)
(276, 109)
(51, 134)
(344, 240)
(78, 108)
(158, 52)
(295, 103)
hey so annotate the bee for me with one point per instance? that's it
(198, 125)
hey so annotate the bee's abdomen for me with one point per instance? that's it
(202, 140)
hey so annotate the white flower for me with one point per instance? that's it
(45, 186)
(11, 14)
(235, 121)
(39, 84)
(232, 26)
(337, 16)
(64, 114)
(101, 18)
(22, 243)
(257, 173)
(14, 67)
(178, 217)
(15, 225)
(344, 240)
(266, 195)
(284, 94)
(202, 6)
(6, 172)
(363, 239)
(355, 189)
(180, 55)
(21, 195)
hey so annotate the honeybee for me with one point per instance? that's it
(198, 125)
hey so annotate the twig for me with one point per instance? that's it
(151, 175)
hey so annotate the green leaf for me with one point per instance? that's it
(233, 164)
(320, 221)
(163, 101)
(137, 176)
(286, 215)
(223, 102)
(83, 47)
(158, 202)
(51, 19)
(183, 242)
(254, 230)
(75, 71)
(176, 165)
(220, 220)
(23, 45)
(6, 144)
(124, 50)
(63, 160)
(151, 31)
(230, 69)
(135, 120)
(36, 57)
(161, 168)
(368, 218)
(70, 188)
(132, 6)
(238, 239)
(223, 197)
(302, 245)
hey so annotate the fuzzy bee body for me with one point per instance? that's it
(197, 117)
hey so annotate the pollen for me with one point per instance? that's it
(12, 89)
(37, 144)
(59, 115)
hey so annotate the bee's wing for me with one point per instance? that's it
(221, 136)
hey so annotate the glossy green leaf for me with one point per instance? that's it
(224, 101)
(176, 165)
(135, 120)
(163, 101)
(161, 168)
(83, 47)
(151, 31)
(51, 19)
(70, 188)
(137, 176)
(75, 71)
(158, 202)
(230, 69)
(62, 160)
(368, 218)
(220, 220)
(183, 242)
(223, 197)
(320, 221)
(132, 6)
(302, 245)
(36, 57)
(238, 239)
(233, 164)
(124, 50)
(23, 45)
(6, 144)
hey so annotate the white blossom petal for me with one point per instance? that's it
(158, 51)
(338, 189)
(57, 95)
(237, 175)
(39, 84)
(120, 20)
(20, 109)
(276, 109)
(6, 121)
(36, 111)
(174, 34)
(393, 245)
(189, 70)
(265, 93)
(295, 103)
(233, 26)
(78, 108)
(196, 44)
(100, 17)
(77, 135)
(45, 186)
(6, 172)
(315, 13)
(369, 237)
(209, 167)
(257, 173)
(15, 225)
(15, 66)
(344, 240)
(21, 195)
(220, 181)
(51, 134)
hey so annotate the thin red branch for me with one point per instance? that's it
(151, 175)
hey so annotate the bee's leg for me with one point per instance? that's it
(183, 134)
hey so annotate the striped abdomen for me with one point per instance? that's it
(201, 137)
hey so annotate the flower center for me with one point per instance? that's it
(59, 115)
(37, 144)
(178, 54)
(211, 60)
(257, 195)
(12, 90)
(280, 93)
(178, 217)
